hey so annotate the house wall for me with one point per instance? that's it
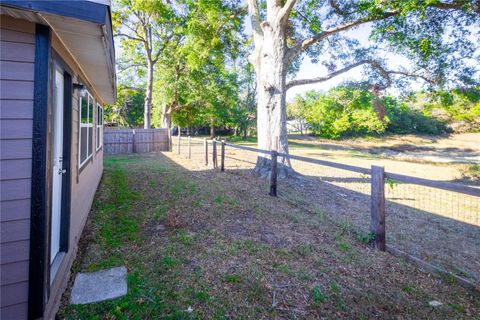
(84, 181)
(16, 120)
(17, 53)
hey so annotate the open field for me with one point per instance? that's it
(448, 158)
(437, 226)
(199, 244)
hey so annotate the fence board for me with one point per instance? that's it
(118, 141)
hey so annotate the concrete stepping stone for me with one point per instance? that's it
(99, 286)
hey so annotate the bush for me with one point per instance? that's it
(404, 120)
(346, 112)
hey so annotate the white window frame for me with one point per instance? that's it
(99, 137)
(81, 125)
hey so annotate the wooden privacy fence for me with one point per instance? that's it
(118, 141)
(378, 179)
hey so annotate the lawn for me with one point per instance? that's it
(205, 244)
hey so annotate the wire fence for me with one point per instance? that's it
(432, 223)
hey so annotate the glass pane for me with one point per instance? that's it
(98, 136)
(83, 144)
(84, 110)
(90, 137)
(90, 109)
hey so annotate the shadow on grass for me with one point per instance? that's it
(215, 245)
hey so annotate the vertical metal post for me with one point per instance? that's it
(377, 226)
(222, 163)
(205, 147)
(189, 148)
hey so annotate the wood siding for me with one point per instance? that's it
(16, 119)
(17, 53)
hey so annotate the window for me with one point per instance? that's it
(86, 128)
(99, 126)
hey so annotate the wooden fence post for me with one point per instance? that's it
(178, 141)
(273, 173)
(189, 148)
(222, 159)
(134, 148)
(377, 226)
(205, 147)
(169, 139)
(214, 153)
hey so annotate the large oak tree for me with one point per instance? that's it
(436, 36)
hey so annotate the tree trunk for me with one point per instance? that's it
(271, 70)
(212, 131)
(167, 116)
(148, 96)
(378, 105)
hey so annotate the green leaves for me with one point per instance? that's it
(347, 111)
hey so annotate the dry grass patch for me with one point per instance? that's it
(211, 245)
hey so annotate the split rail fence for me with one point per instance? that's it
(380, 185)
(121, 141)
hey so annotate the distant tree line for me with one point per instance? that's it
(346, 111)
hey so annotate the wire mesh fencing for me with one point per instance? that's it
(437, 226)
(433, 221)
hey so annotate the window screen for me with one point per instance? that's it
(85, 132)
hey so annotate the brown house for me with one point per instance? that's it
(56, 72)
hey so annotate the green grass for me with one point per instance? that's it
(232, 278)
(117, 220)
(231, 250)
(318, 296)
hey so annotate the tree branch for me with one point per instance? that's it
(122, 68)
(452, 5)
(406, 74)
(336, 7)
(165, 42)
(255, 17)
(129, 37)
(286, 9)
(306, 43)
(386, 74)
(329, 76)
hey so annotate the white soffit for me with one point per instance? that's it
(85, 41)
(105, 2)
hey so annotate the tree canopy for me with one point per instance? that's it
(201, 66)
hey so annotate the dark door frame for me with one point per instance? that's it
(37, 288)
(39, 267)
